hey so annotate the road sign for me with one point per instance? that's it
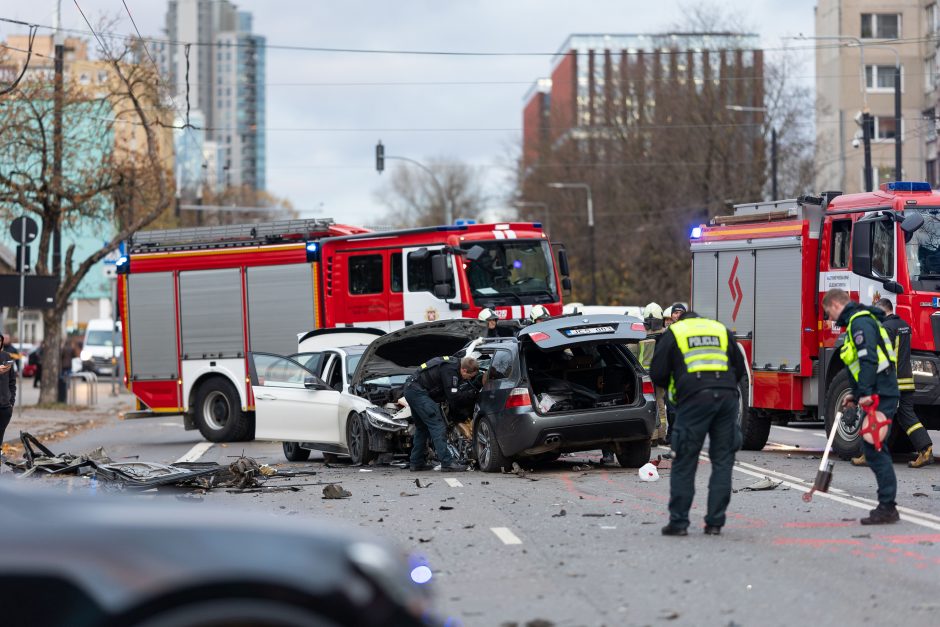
(39, 291)
(16, 230)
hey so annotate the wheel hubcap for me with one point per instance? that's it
(846, 433)
(355, 432)
(483, 444)
(216, 410)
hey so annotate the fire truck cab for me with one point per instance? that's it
(763, 271)
(194, 302)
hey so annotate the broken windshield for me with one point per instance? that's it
(510, 272)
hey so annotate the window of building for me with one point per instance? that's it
(396, 272)
(881, 78)
(930, 73)
(879, 175)
(932, 172)
(882, 249)
(365, 274)
(931, 18)
(881, 25)
(883, 128)
(930, 122)
(839, 244)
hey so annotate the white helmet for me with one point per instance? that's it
(653, 311)
(487, 314)
(539, 312)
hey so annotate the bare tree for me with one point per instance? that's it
(414, 199)
(234, 204)
(115, 179)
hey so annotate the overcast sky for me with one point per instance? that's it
(321, 136)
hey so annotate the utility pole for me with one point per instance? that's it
(57, 142)
(773, 163)
(866, 142)
(897, 120)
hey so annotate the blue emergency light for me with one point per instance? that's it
(313, 251)
(907, 186)
(464, 222)
(696, 232)
(122, 265)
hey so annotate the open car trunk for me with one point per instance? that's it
(582, 362)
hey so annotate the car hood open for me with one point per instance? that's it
(574, 330)
(403, 351)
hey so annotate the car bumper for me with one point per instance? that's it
(525, 432)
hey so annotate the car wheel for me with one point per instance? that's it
(294, 453)
(755, 429)
(214, 612)
(847, 443)
(489, 456)
(357, 440)
(634, 454)
(218, 412)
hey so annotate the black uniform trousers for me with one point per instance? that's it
(909, 423)
(712, 413)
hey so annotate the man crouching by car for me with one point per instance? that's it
(440, 379)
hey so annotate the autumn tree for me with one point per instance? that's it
(115, 177)
(414, 198)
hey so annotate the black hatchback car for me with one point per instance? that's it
(568, 384)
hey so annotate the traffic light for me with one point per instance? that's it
(379, 157)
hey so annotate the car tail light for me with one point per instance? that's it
(638, 326)
(538, 336)
(648, 390)
(519, 397)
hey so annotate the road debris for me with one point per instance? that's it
(648, 472)
(445, 507)
(335, 491)
(560, 514)
(761, 484)
(423, 485)
(920, 494)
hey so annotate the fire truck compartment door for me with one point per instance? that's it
(736, 291)
(286, 409)
(421, 305)
(779, 333)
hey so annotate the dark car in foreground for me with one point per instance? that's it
(568, 384)
(111, 561)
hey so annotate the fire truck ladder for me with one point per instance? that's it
(208, 237)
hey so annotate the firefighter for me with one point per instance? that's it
(538, 313)
(698, 361)
(653, 320)
(868, 354)
(493, 329)
(900, 334)
(442, 379)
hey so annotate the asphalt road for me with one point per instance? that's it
(577, 546)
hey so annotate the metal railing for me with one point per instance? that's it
(86, 382)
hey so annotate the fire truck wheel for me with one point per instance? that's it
(219, 415)
(357, 440)
(755, 429)
(294, 453)
(846, 444)
(634, 454)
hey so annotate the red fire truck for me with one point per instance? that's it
(763, 271)
(194, 302)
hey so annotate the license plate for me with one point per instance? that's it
(588, 331)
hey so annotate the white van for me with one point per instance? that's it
(97, 345)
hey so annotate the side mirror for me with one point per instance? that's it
(861, 248)
(442, 290)
(911, 223)
(894, 287)
(419, 255)
(566, 285)
(439, 269)
(312, 383)
(563, 269)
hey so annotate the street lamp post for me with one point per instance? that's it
(590, 221)
(773, 146)
(537, 205)
(380, 166)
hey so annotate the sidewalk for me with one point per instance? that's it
(46, 424)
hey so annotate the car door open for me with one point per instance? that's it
(292, 404)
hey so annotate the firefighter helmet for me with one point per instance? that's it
(653, 311)
(539, 313)
(486, 315)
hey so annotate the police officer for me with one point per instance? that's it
(868, 354)
(699, 363)
(442, 379)
(899, 333)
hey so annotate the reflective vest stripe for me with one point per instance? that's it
(850, 354)
(915, 428)
(906, 384)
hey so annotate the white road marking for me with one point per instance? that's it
(822, 435)
(169, 424)
(453, 483)
(195, 453)
(923, 519)
(507, 536)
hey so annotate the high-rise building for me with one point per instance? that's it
(224, 82)
(859, 43)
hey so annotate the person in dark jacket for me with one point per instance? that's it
(899, 331)
(493, 328)
(868, 354)
(698, 361)
(440, 380)
(7, 389)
